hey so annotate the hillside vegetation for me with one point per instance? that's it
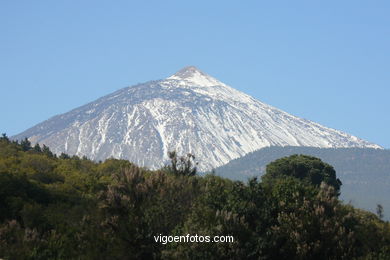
(359, 169)
(66, 207)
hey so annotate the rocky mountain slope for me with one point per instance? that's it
(190, 112)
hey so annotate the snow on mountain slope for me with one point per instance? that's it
(190, 112)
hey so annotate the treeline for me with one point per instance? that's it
(66, 207)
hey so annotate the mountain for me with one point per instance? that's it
(365, 173)
(190, 112)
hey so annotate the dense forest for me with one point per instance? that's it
(66, 207)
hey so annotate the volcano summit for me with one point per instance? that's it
(190, 112)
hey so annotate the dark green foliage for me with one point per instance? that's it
(64, 156)
(37, 148)
(359, 170)
(16, 191)
(47, 151)
(306, 168)
(68, 207)
(25, 145)
(316, 228)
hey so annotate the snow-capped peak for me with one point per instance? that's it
(194, 76)
(187, 112)
(187, 72)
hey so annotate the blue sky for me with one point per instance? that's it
(327, 61)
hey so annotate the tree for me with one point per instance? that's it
(47, 151)
(182, 165)
(319, 228)
(37, 148)
(64, 156)
(379, 211)
(25, 144)
(4, 137)
(306, 168)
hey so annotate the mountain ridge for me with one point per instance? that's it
(190, 112)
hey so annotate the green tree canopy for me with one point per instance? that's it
(306, 168)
